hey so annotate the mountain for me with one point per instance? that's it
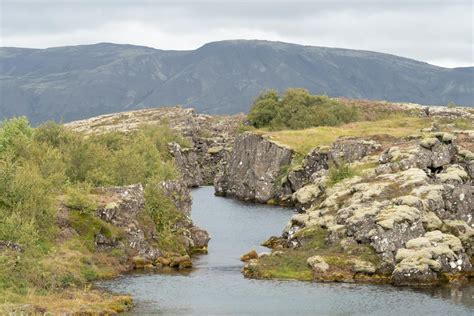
(69, 83)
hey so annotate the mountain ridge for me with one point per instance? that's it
(74, 82)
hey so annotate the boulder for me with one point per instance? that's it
(350, 149)
(249, 256)
(140, 262)
(317, 263)
(423, 258)
(200, 239)
(181, 262)
(307, 194)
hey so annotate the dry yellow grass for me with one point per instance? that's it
(302, 141)
(71, 301)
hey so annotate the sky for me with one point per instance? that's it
(438, 32)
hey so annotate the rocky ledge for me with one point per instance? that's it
(406, 216)
(120, 224)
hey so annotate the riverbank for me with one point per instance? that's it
(236, 227)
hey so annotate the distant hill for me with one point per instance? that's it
(69, 83)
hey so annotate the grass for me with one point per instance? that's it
(338, 173)
(291, 263)
(302, 141)
(72, 301)
(464, 124)
(88, 226)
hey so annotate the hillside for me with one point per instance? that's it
(69, 83)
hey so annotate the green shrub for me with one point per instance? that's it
(14, 134)
(78, 198)
(165, 216)
(41, 166)
(297, 109)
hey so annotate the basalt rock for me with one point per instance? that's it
(127, 203)
(251, 169)
(186, 160)
(10, 246)
(351, 149)
(125, 211)
(413, 212)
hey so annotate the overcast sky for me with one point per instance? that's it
(438, 32)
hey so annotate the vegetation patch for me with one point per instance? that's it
(338, 173)
(166, 218)
(42, 168)
(292, 263)
(303, 141)
(297, 109)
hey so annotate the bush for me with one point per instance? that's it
(297, 109)
(78, 198)
(165, 216)
(14, 134)
(41, 166)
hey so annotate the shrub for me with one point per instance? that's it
(297, 109)
(78, 198)
(165, 216)
(40, 165)
(14, 135)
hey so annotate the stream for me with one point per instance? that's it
(216, 286)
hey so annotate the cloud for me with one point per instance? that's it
(438, 32)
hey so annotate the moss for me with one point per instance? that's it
(338, 261)
(361, 167)
(290, 265)
(314, 237)
(88, 226)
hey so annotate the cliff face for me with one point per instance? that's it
(208, 137)
(251, 168)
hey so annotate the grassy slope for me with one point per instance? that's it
(47, 176)
(302, 141)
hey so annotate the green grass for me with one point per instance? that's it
(88, 226)
(339, 173)
(291, 263)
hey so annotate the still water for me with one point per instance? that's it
(216, 286)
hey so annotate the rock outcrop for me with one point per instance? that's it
(123, 211)
(123, 208)
(209, 137)
(251, 169)
(315, 164)
(413, 211)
